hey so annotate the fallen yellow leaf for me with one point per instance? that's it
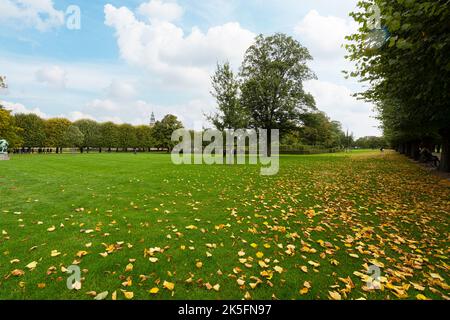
(154, 290)
(335, 295)
(168, 285)
(129, 267)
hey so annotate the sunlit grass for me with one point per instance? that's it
(391, 210)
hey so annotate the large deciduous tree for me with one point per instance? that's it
(226, 90)
(109, 135)
(144, 137)
(273, 72)
(9, 130)
(33, 130)
(162, 131)
(408, 75)
(55, 131)
(91, 133)
(127, 137)
(74, 137)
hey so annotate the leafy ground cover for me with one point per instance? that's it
(140, 227)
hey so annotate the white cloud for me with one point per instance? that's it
(20, 108)
(121, 90)
(17, 108)
(78, 115)
(39, 14)
(54, 76)
(103, 105)
(176, 58)
(339, 104)
(324, 35)
(159, 10)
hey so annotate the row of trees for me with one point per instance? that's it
(371, 142)
(317, 130)
(402, 53)
(29, 131)
(268, 93)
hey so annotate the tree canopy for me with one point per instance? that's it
(9, 130)
(162, 131)
(408, 73)
(226, 89)
(33, 129)
(30, 131)
(268, 93)
(273, 73)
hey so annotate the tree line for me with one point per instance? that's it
(27, 132)
(31, 133)
(401, 52)
(371, 142)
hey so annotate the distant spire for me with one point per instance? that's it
(152, 120)
(3, 84)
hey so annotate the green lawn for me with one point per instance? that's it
(322, 219)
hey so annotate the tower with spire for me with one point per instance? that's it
(152, 120)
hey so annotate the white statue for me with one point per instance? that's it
(4, 146)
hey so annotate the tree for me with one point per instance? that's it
(9, 130)
(33, 130)
(162, 131)
(408, 75)
(337, 135)
(273, 72)
(127, 137)
(55, 131)
(73, 137)
(91, 132)
(371, 142)
(318, 129)
(144, 137)
(109, 135)
(226, 91)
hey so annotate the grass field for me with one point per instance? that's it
(311, 232)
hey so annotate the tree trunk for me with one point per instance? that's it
(408, 149)
(445, 155)
(415, 152)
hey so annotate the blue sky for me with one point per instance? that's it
(133, 57)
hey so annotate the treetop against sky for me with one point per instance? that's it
(128, 58)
